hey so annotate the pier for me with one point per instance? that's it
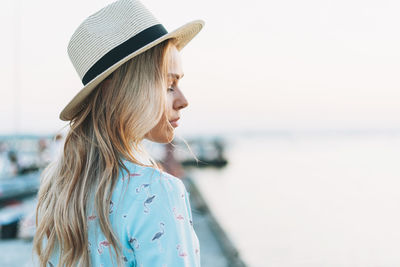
(216, 248)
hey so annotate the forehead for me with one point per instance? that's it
(175, 62)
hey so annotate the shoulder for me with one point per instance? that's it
(150, 180)
(145, 193)
(149, 194)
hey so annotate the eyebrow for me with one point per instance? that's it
(175, 75)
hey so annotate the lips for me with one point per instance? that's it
(174, 122)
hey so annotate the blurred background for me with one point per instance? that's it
(293, 111)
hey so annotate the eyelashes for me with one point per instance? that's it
(172, 85)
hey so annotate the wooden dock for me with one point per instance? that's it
(216, 248)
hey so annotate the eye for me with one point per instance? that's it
(171, 87)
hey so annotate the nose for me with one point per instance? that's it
(180, 101)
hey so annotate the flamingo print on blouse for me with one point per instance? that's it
(130, 176)
(149, 199)
(134, 242)
(92, 217)
(158, 235)
(141, 187)
(147, 202)
(181, 252)
(102, 245)
(177, 216)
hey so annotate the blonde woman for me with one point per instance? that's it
(104, 202)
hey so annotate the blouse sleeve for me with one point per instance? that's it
(160, 228)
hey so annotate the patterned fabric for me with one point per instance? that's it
(151, 215)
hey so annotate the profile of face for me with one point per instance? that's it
(163, 132)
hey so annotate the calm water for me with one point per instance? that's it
(310, 200)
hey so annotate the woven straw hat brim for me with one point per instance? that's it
(183, 35)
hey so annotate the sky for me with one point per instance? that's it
(256, 65)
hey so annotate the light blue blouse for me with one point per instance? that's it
(151, 215)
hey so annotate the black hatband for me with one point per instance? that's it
(128, 47)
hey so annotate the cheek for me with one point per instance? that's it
(163, 132)
(167, 131)
(169, 103)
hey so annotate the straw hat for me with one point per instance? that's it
(112, 36)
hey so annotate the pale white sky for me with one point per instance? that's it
(256, 64)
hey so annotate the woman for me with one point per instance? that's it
(104, 202)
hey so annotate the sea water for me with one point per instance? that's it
(309, 199)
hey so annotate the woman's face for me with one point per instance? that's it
(163, 132)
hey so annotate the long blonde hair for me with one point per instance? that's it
(110, 128)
